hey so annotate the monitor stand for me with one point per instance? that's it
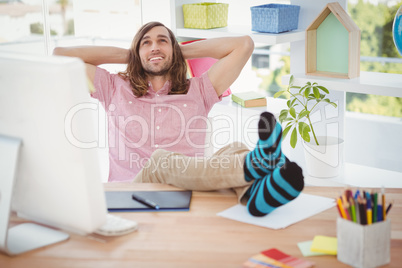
(25, 236)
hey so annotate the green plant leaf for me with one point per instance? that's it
(288, 119)
(306, 136)
(303, 113)
(292, 112)
(332, 103)
(316, 92)
(294, 87)
(293, 102)
(291, 80)
(307, 92)
(302, 88)
(323, 89)
(300, 126)
(283, 115)
(304, 130)
(288, 103)
(293, 138)
(279, 93)
(304, 127)
(285, 131)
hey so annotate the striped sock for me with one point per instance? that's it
(267, 154)
(276, 189)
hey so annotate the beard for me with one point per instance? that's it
(152, 71)
(161, 72)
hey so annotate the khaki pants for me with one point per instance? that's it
(224, 170)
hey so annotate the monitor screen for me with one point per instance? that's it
(44, 101)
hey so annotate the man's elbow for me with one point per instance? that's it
(59, 51)
(248, 45)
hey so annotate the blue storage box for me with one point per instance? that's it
(274, 18)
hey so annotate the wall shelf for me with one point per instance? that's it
(227, 106)
(231, 30)
(384, 84)
(239, 30)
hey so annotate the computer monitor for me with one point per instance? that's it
(44, 102)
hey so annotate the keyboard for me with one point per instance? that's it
(115, 226)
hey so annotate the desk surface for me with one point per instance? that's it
(197, 238)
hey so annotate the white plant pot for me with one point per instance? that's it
(326, 159)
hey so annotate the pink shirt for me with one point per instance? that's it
(139, 126)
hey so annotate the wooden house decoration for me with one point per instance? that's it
(333, 44)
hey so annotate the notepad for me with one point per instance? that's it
(275, 258)
(286, 259)
(302, 207)
(324, 244)
(166, 200)
(305, 248)
(262, 261)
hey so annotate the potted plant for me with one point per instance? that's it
(296, 118)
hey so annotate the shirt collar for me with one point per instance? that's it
(163, 91)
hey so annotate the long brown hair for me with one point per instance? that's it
(135, 73)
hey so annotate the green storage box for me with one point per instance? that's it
(205, 15)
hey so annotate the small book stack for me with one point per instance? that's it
(276, 259)
(249, 99)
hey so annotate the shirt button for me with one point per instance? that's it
(157, 127)
(185, 105)
(130, 102)
(157, 94)
(159, 110)
(156, 145)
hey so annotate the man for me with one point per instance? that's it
(154, 110)
(152, 104)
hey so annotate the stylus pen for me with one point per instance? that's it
(144, 201)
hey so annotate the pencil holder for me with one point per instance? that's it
(364, 245)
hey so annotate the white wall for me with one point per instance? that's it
(374, 141)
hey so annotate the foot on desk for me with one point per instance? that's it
(276, 189)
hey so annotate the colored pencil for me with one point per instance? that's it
(352, 208)
(369, 212)
(389, 208)
(384, 215)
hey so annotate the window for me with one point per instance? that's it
(378, 53)
(37, 26)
